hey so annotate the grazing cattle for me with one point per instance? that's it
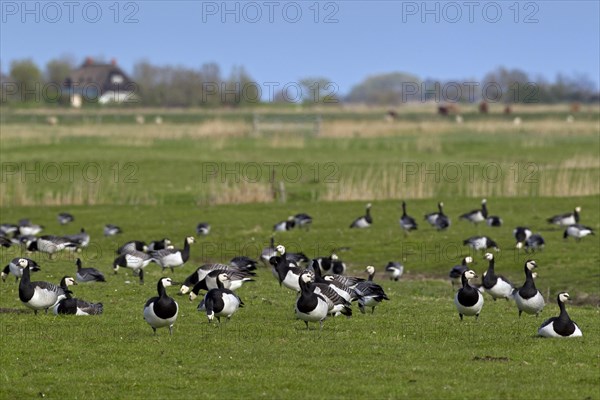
(483, 107)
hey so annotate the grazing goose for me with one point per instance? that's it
(159, 244)
(534, 242)
(369, 293)
(577, 231)
(74, 306)
(65, 218)
(162, 310)
(345, 291)
(457, 271)
(468, 300)
(528, 298)
(497, 286)
(243, 263)
(203, 228)
(88, 274)
(438, 220)
(494, 221)
(81, 239)
(566, 219)
(476, 216)
(561, 326)
(303, 220)
(9, 229)
(480, 243)
(336, 300)
(283, 226)
(235, 280)
(310, 306)
(330, 265)
(395, 269)
(51, 244)
(26, 227)
(268, 253)
(287, 272)
(17, 270)
(134, 245)
(220, 302)
(41, 295)
(135, 260)
(407, 222)
(172, 258)
(111, 230)
(199, 274)
(365, 221)
(521, 234)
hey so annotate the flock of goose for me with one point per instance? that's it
(322, 286)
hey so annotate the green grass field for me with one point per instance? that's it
(157, 181)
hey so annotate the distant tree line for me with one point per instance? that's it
(25, 83)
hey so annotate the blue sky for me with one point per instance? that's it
(345, 41)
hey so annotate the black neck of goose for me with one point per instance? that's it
(282, 267)
(371, 276)
(368, 212)
(576, 216)
(185, 253)
(563, 311)
(78, 262)
(490, 269)
(162, 292)
(441, 209)
(529, 282)
(464, 262)
(465, 281)
(272, 242)
(317, 269)
(26, 278)
(219, 283)
(484, 210)
(403, 209)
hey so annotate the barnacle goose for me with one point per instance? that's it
(561, 326)
(468, 300)
(41, 295)
(478, 215)
(134, 245)
(438, 220)
(338, 302)
(287, 271)
(74, 306)
(303, 220)
(203, 228)
(494, 221)
(172, 258)
(199, 274)
(566, 219)
(111, 230)
(243, 263)
(369, 293)
(51, 244)
(577, 231)
(15, 268)
(395, 269)
(521, 234)
(528, 298)
(220, 302)
(9, 229)
(26, 227)
(365, 221)
(534, 242)
(342, 289)
(287, 225)
(235, 280)
(330, 265)
(162, 310)
(65, 218)
(457, 271)
(407, 222)
(136, 260)
(497, 286)
(81, 239)
(481, 243)
(88, 274)
(310, 306)
(159, 244)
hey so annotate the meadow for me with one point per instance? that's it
(157, 180)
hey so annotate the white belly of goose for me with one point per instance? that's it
(230, 305)
(171, 260)
(548, 331)
(361, 223)
(157, 322)
(44, 298)
(533, 305)
(472, 310)
(291, 281)
(501, 289)
(317, 314)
